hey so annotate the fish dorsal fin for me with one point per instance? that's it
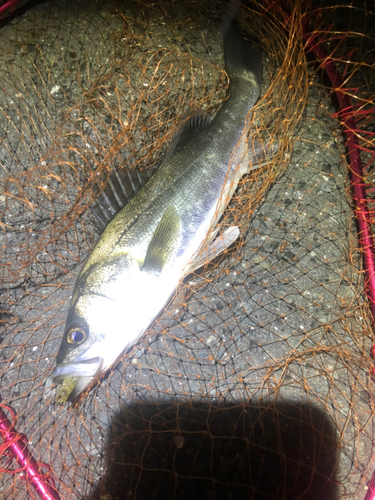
(188, 129)
(164, 241)
(121, 187)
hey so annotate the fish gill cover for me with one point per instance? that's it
(255, 381)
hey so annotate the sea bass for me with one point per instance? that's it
(165, 231)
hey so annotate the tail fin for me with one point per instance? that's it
(239, 54)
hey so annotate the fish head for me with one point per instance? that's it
(103, 321)
(114, 301)
(81, 357)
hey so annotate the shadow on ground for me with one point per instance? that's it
(202, 451)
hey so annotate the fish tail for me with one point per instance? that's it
(241, 56)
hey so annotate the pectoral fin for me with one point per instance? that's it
(164, 241)
(217, 247)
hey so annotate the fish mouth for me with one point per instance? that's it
(73, 378)
(84, 368)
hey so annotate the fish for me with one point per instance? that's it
(167, 230)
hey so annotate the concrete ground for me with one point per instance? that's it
(255, 381)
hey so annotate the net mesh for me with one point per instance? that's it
(255, 381)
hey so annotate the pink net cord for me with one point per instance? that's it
(359, 195)
(6, 8)
(15, 446)
(356, 172)
(346, 115)
(370, 495)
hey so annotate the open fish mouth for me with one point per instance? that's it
(85, 368)
(73, 378)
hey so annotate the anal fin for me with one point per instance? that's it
(217, 247)
(252, 154)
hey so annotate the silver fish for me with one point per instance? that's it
(165, 231)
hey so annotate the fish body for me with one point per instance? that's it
(159, 235)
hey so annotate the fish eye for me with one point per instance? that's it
(76, 336)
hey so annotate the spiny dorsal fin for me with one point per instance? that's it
(188, 129)
(121, 187)
(164, 241)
